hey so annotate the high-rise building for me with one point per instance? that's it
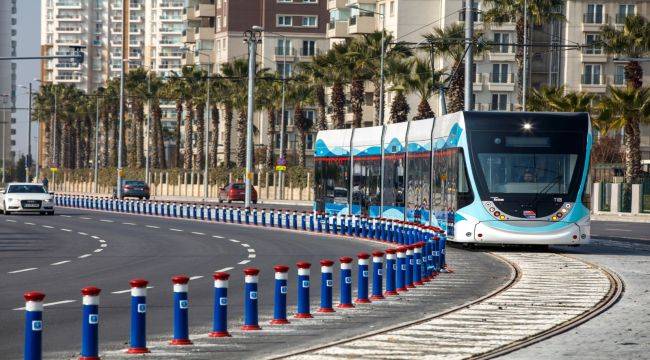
(7, 78)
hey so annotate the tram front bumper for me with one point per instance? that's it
(491, 232)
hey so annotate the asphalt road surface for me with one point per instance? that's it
(619, 230)
(60, 254)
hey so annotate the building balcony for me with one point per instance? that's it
(135, 56)
(506, 26)
(594, 21)
(306, 54)
(116, 43)
(593, 83)
(361, 24)
(170, 55)
(68, 17)
(280, 54)
(136, 7)
(171, 4)
(187, 36)
(477, 84)
(67, 78)
(69, 5)
(68, 66)
(170, 30)
(69, 42)
(203, 33)
(171, 18)
(136, 19)
(116, 18)
(204, 10)
(189, 14)
(337, 29)
(617, 80)
(501, 82)
(593, 54)
(136, 31)
(478, 19)
(502, 53)
(336, 4)
(69, 30)
(136, 43)
(620, 19)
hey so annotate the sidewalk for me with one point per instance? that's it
(622, 217)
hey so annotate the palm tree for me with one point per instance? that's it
(448, 42)
(539, 12)
(423, 81)
(156, 144)
(314, 72)
(219, 94)
(189, 81)
(397, 73)
(136, 87)
(269, 98)
(333, 63)
(633, 42)
(43, 110)
(544, 98)
(176, 89)
(197, 83)
(300, 94)
(111, 129)
(237, 71)
(628, 108)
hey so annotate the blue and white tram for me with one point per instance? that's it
(483, 177)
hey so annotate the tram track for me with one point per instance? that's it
(547, 294)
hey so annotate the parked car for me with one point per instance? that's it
(236, 192)
(133, 188)
(26, 197)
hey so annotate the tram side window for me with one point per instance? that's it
(332, 183)
(394, 166)
(417, 195)
(450, 185)
(366, 185)
(465, 194)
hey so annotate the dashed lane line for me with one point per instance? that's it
(196, 277)
(126, 291)
(197, 233)
(98, 250)
(9, 220)
(48, 226)
(60, 262)
(50, 304)
(252, 256)
(128, 223)
(82, 233)
(101, 241)
(29, 223)
(178, 230)
(243, 262)
(153, 226)
(251, 250)
(83, 256)
(245, 245)
(85, 218)
(66, 216)
(217, 237)
(225, 269)
(233, 240)
(103, 245)
(66, 230)
(106, 220)
(21, 270)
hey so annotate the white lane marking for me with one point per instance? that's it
(84, 256)
(196, 277)
(60, 262)
(172, 229)
(48, 226)
(102, 241)
(251, 256)
(616, 229)
(21, 270)
(85, 218)
(66, 230)
(127, 290)
(217, 237)
(225, 269)
(66, 216)
(197, 233)
(250, 250)
(28, 223)
(82, 233)
(153, 227)
(243, 262)
(108, 221)
(94, 237)
(128, 223)
(9, 220)
(98, 250)
(245, 245)
(233, 240)
(51, 304)
(103, 245)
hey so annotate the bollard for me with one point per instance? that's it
(335, 224)
(417, 264)
(255, 216)
(391, 269)
(202, 212)
(346, 283)
(377, 277)
(362, 278)
(401, 269)
(231, 215)
(250, 299)
(410, 263)
(239, 211)
(280, 303)
(33, 325)
(326, 286)
(90, 323)
(303, 291)
(193, 212)
(181, 306)
(247, 212)
(208, 210)
(271, 217)
(220, 317)
(350, 219)
(294, 218)
(263, 217)
(319, 222)
(364, 228)
(303, 221)
(138, 317)
(311, 222)
(326, 220)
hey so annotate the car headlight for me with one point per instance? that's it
(48, 201)
(10, 199)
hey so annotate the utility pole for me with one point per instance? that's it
(469, 58)
(252, 38)
(118, 191)
(206, 134)
(525, 72)
(147, 157)
(96, 164)
(4, 139)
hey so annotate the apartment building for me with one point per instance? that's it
(7, 78)
(294, 32)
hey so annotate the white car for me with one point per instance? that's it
(26, 197)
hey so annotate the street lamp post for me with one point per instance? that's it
(147, 155)
(96, 162)
(4, 139)
(28, 159)
(252, 37)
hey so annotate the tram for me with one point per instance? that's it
(483, 177)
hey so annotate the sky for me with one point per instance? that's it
(28, 44)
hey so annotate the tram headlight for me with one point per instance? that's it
(564, 210)
(554, 218)
(502, 217)
(497, 214)
(492, 209)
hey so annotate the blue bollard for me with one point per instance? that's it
(401, 268)
(280, 295)
(220, 316)
(202, 212)
(271, 217)
(239, 210)
(312, 222)
(33, 349)
(365, 228)
(90, 323)
(303, 311)
(174, 210)
(294, 218)
(303, 221)
(362, 278)
(417, 264)
(250, 299)
(391, 269)
(377, 276)
(335, 224)
(326, 285)
(279, 217)
(350, 223)
(247, 212)
(208, 212)
(345, 301)
(138, 317)
(181, 310)
(231, 214)
(263, 217)
(193, 214)
(255, 217)
(410, 263)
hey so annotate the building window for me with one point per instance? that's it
(624, 10)
(594, 14)
(285, 20)
(499, 102)
(309, 21)
(310, 1)
(309, 141)
(592, 74)
(287, 69)
(277, 141)
(591, 40)
(308, 48)
(391, 8)
(284, 47)
(310, 115)
(500, 73)
(619, 75)
(285, 1)
(501, 40)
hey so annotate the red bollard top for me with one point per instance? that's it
(34, 296)
(90, 291)
(303, 265)
(377, 253)
(180, 279)
(363, 255)
(251, 271)
(402, 249)
(326, 262)
(281, 268)
(221, 276)
(138, 283)
(345, 259)
(410, 247)
(390, 251)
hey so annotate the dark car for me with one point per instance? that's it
(236, 192)
(133, 188)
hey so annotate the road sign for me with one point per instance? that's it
(280, 168)
(282, 161)
(54, 169)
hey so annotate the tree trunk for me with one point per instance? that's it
(77, 145)
(214, 145)
(519, 59)
(632, 151)
(356, 102)
(399, 110)
(455, 95)
(187, 146)
(46, 142)
(132, 156)
(270, 138)
(177, 133)
(321, 116)
(114, 139)
(159, 138)
(227, 135)
(140, 132)
(301, 125)
(89, 142)
(634, 74)
(376, 102)
(338, 106)
(424, 110)
(106, 128)
(241, 138)
(200, 145)
(154, 134)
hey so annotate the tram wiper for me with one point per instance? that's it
(546, 189)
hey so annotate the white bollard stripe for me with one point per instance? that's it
(250, 279)
(303, 272)
(364, 261)
(281, 276)
(409, 252)
(180, 288)
(221, 283)
(390, 256)
(418, 250)
(135, 291)
(34, 306)
(90, 300)
(401, 255)
(346, 266)
(326, 269)
(377, 259)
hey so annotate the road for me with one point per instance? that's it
(619, 230)
(61, 254)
